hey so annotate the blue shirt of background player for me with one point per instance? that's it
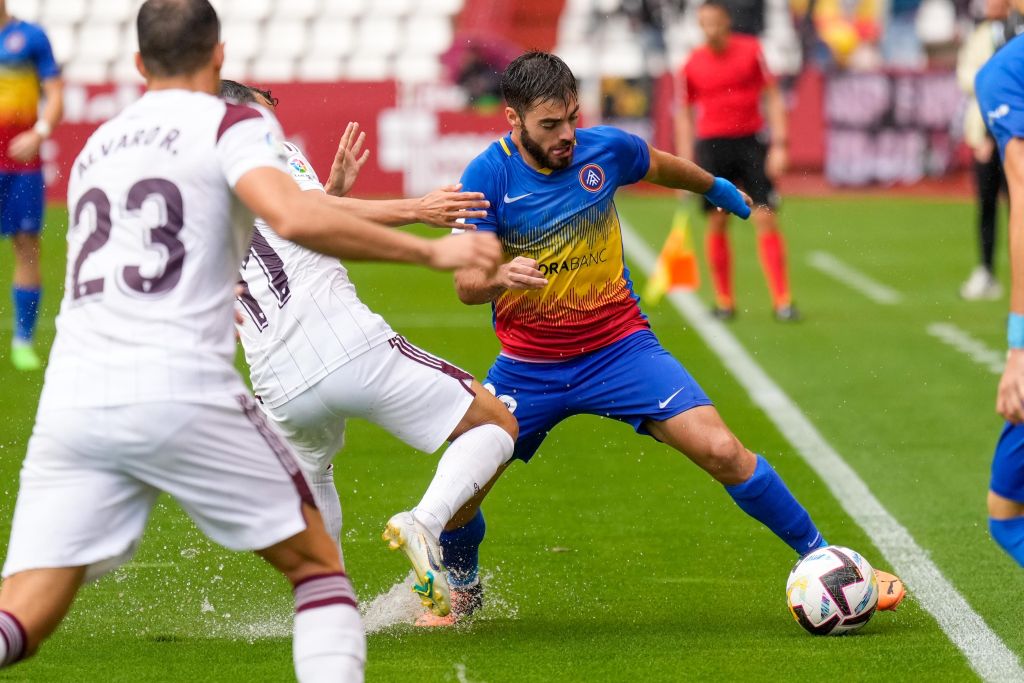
(566, 220)
(999, 87)
(26, 60)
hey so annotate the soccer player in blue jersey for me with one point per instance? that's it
(27, 68)
(1000, 90)
(573, 337)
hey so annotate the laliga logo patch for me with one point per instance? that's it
(299, 166)
(15, 42)
(592, 177)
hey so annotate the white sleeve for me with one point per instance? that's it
(301, 170)
(248, 138)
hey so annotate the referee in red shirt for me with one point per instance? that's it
(723, 82)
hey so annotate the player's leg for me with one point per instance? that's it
(755, 486)
(329, 642)
(270, 510)
(710, 155)
(535, 396)
(77, 516)
(426, 401)
(637, 381)
(316, 432)
(32, 605)
(771, 246)
(22, 214)
(988, 176)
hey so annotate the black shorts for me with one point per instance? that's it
(740, 161)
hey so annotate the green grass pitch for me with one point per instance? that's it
(609, 557)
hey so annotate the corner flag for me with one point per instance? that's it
(677, 263)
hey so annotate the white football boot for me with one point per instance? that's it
(424, 553)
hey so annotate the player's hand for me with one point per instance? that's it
(466, 250)
(24, 147)
(1010, 397)
(347, 161)
(521, 273)
(444, 207)
(239, 317)
(724, 195)
(777, 162)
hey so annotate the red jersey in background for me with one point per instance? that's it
(725, 87)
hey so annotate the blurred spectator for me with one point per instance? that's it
(475, 63)
(900, 45)
(989, 35)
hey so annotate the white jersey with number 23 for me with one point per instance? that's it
(155, 238)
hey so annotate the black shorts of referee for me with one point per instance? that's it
(742, 162)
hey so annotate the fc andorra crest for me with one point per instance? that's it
(592, 177)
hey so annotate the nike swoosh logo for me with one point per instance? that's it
(510, 200)
(662, 404)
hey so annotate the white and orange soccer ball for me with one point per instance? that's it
(832, 591)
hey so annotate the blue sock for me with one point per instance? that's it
(1009, 533)
(26, 310)
(765, 498)
(461, 551)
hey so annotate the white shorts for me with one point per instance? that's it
(417, 397)
(92, 475)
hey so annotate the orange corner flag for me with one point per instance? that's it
(677, 262)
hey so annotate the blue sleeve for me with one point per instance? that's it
(481, 176)
(631, 151)
(42, 56)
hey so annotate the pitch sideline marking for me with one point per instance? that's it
(974, 349)
(985, 652)
(854, 279)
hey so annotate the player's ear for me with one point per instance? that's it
(512, 117)
(140, 67)
(218, 56)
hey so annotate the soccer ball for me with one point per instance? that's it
(832, 591)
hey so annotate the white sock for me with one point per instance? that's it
(470, 462)
(329, 644)
(325, 493)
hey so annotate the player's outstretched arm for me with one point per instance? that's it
(443, 208)
(669, 170)
(475, 286)
(304, 218)
(1010, 397)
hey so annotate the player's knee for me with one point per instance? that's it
(725, 457)
(497, 413)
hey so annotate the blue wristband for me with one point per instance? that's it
(1015, 331)
(724, 194)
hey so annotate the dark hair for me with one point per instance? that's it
(536, 77)
(176, 37)
(718, 4)
(239, 92)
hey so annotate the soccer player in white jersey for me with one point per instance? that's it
(317, 356)
(141, 395)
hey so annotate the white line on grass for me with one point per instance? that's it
(854, 279)
(984, 650)
(975, 349)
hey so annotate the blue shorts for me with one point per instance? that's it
(1008, 464)
(633, 380)
(21, 203)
